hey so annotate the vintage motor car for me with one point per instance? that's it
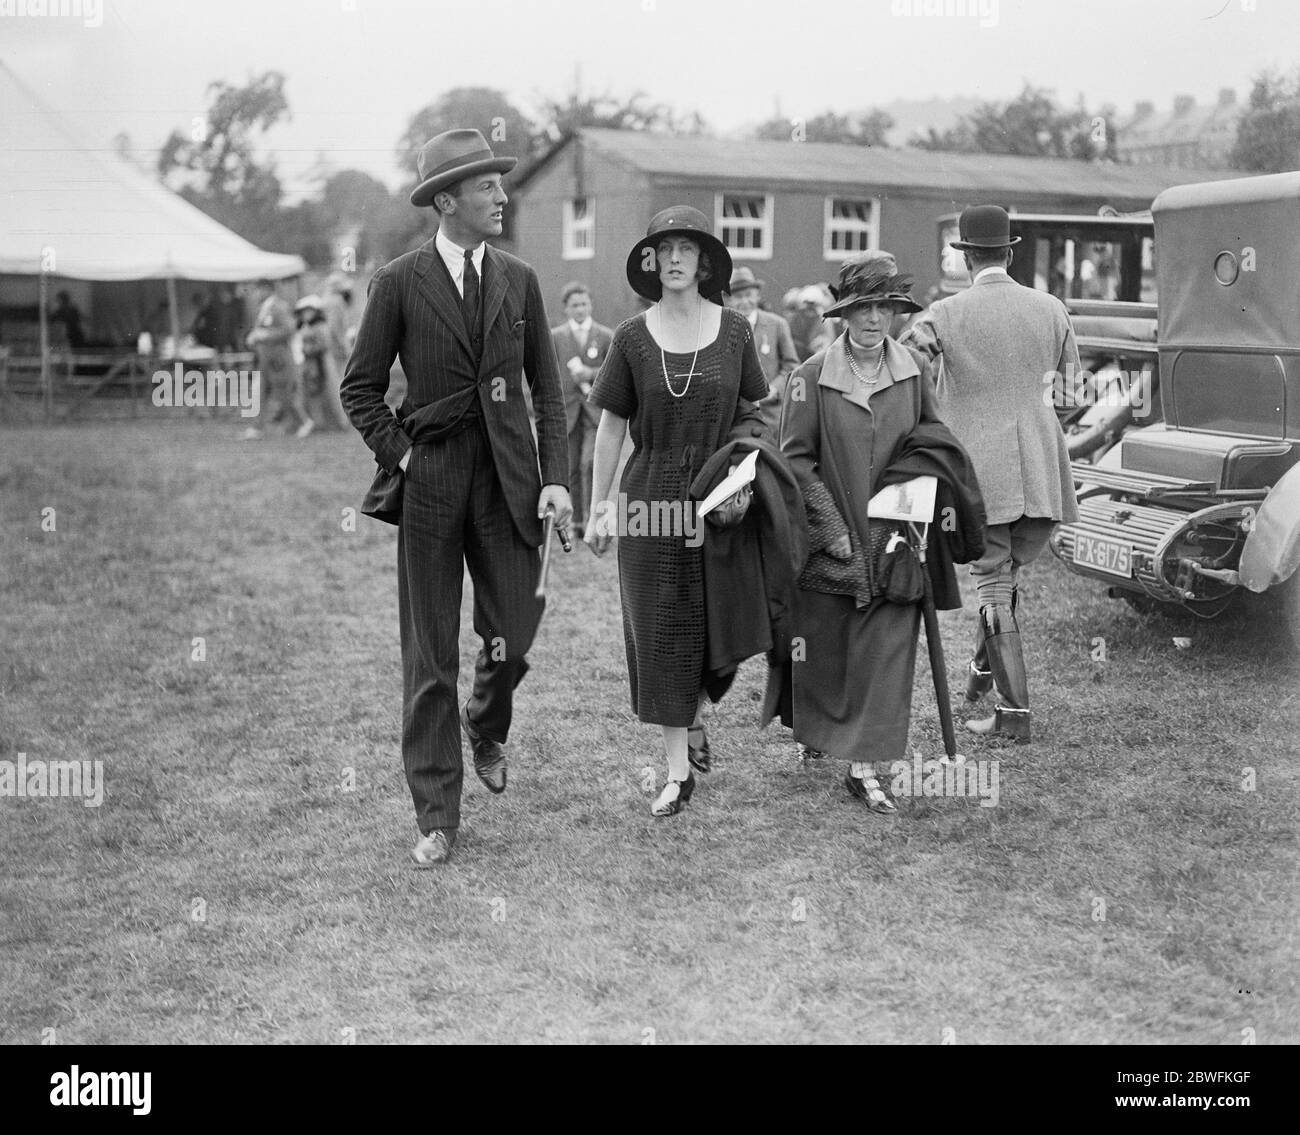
(1194, 510)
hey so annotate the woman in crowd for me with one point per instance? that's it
(851, 410)
(681, 375)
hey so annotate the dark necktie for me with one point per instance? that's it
(469, 302)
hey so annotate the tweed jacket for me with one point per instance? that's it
(413, 312)
(592, 358)
(777, 356)
(999, 345)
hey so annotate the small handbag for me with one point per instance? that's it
(895, 569)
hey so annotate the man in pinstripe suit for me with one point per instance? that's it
(468, 323)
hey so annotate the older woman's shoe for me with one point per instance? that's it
(868, 790)
(675, 796)
(700, 756)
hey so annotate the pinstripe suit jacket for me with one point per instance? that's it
(413, 313)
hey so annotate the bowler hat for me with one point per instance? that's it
(450, 157)
(984, 226)
(677, 220)
(743, 278)
(871, 277)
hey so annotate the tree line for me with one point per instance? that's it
(217, 167)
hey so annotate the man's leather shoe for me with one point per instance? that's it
(489, 760)
(434, 849)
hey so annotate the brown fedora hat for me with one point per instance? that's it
(871, 277)
(742, 278)
(984, 226)
(678, 220)
(450, 157)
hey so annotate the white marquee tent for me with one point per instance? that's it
(71, 210)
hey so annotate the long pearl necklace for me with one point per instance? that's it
(853, 366)
(663, 361)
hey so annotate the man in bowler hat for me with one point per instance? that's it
(1001, 343)
(469, 325)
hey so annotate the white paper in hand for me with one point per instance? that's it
(732, 484)
(908, 500)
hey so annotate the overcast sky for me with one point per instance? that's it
(357, 69)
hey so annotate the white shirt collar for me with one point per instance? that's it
(584, 326)
(991, 270)
(454, 257)
(753, 318)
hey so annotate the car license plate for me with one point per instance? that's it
(1101, 554)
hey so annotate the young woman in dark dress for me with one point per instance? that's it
(679, 377)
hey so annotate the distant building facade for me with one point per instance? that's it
(790, 211)
(1187, 135)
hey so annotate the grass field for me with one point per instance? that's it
(246, 880)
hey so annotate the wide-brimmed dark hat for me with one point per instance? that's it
(451, 156)
(743, 278)
(984, 226)
(679, 220)
(871, 277)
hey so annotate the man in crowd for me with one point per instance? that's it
(580, 348)
(470, 326)
(272, 341)
(772, 340)
(1001, 343)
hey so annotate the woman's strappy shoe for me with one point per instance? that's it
(868, 790)
(699, 755)
(675, 796)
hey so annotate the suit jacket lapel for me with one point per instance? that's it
(495, 282)
(439, 291)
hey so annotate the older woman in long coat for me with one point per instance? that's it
(848, 410)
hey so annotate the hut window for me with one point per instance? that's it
(744, 222)
(852, 225)
(578, 233)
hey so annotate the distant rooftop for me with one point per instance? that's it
(794, 164)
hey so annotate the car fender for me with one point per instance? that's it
(1272, 550)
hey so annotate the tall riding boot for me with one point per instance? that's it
(979, 676)
(1007, 661)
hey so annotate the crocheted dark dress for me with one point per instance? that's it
(661, 578)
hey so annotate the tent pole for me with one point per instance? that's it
(45, 344)
(175, 310)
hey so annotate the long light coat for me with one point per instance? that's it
(1000, 345)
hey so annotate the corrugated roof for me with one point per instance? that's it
(962, 176)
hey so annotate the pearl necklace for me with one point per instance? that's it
(663, 362)
(853, 366)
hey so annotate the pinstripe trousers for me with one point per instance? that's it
(454, 513)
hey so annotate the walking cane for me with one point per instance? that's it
(938, 668)
(548, 526)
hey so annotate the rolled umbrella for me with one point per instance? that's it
(934, 645)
